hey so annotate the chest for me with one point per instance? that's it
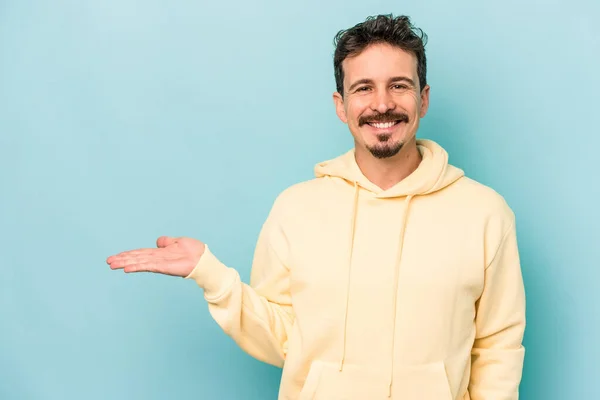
(365, 254)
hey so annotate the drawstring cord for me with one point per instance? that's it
(352, 229)
(396, 281)
(395, 286)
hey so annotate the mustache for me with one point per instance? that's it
(385, 117)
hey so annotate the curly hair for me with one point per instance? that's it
(395, 31)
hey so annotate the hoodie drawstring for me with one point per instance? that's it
(396, 279)
(352, 229)
(396, 282)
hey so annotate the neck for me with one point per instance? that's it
(387, 172)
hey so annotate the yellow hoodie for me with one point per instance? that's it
(410, 293)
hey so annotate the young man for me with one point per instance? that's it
(388, 275)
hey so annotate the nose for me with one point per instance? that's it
(382, 102)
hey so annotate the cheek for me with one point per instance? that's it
(410, 103)
(355, 109)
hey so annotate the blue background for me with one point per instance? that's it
(124, 120)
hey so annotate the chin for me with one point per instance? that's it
(384, 145)
(386, 151)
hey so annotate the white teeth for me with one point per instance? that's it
(383, 125)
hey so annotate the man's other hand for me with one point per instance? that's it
(173, 256)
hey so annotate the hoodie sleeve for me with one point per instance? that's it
(498, 353)
(257, 316)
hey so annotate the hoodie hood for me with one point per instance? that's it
(433, 174)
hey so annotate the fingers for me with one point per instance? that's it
(147, 266)
(138, 264)
(132, 253)
(160, 266)
(161, 242)
(122, 262)
(158, 260)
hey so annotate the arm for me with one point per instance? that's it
(498, 353)
(258, 316)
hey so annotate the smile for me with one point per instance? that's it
(383, 125)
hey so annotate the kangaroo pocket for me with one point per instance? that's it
(326, 382)
(421, 382)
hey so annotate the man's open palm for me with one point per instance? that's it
(173, 256)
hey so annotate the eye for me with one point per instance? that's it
(362, 89)
(400, 86)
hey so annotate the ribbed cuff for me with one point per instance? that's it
(212, 275)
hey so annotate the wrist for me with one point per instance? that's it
(212, 275)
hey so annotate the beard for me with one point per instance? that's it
(385, 148)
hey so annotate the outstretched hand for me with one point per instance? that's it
(173, 256)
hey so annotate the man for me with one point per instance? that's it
(390, 274)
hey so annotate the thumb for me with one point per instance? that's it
(165, 241)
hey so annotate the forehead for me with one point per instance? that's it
(379, 62)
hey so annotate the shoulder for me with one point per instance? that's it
(480, 195)
(299, 195)
(484, 203)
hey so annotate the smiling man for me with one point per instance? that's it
(390, 274)
(383, 103)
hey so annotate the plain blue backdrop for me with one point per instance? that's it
(124, 120)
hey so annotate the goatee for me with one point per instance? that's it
(384, 149)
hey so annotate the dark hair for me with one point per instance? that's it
(395, 31)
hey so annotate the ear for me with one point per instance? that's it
(338, 101)
(424, 101)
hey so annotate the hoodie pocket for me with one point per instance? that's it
(326, 382)
(424, 382)
(421, 382)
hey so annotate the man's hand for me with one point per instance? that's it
(173, 256)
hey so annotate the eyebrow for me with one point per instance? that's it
(394, 79)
